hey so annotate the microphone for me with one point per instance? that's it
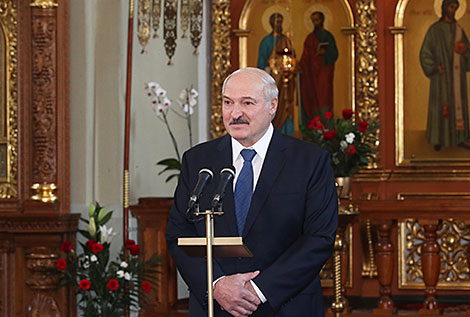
(226, 175)
(205, 177)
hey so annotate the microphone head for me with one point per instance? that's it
(206, 170)
(229, 169)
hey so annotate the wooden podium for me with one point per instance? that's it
(210, 247)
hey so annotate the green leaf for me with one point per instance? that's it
(171, 177)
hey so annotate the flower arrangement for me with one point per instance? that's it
(161, 105)
(105, 288)
(348, 141)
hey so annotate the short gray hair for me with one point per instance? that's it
(269, 88)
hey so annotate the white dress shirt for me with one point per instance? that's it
(261, 148)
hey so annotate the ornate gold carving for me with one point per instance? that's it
(44, 103)
(143, 23)
(221, 48)
(156, 13)
(369, 269)
(44, 192)
(366, 64)
(184, 16)
(196, 23)
(453, 237)
(33, 224)
(126, 188)
(430, 175)
(44, 4)
(169, 27)
(8, 26)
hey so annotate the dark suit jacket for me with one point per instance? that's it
(290, 227)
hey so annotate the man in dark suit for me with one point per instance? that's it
(283, 203)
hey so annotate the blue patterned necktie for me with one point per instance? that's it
(244, 189)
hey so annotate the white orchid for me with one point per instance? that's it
(107, 235)
(194, 93)
(160, 92)
(187, 108)
(166, 102)
(350, 137)
(183, 94)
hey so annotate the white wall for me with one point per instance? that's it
(98, 47)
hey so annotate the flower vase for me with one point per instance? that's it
(343, 186)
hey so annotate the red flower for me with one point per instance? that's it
(363, 126)
(460, 47)
(134, 249)
(146, 286)
(84, 284)
(311, 124)
(347, 114)
(128, 243)
(319, 126)
(66, 247)
(113, 284)
(90, 243)
(328, 115)
(329, 135)
(317, 118)
(61, 264)
(97, 247)
(350, 150)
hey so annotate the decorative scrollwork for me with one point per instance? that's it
(453, 238)
(169, 27)
(184, 16)
(366, 64)
(196, 23)
(221, 48)
(143, 23)
(44, 4)
(156, 13)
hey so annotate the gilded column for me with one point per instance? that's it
(221, 48)
(44, 100)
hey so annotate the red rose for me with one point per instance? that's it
(84, 284)
(90, 243)
(311, 124)
(319, 126)
(329, 135)
(350, 150)
(328, 114)
(363, 126)
(146, 286)
(113, 284)
(134, 249)
(460, 47)
(66, 247)
(317, 118)
(97, 248)
(61, 264)
(128, 243)
(347, 114)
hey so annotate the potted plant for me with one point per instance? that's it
(349, 142)
(105, 287)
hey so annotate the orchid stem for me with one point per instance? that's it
(173, 140)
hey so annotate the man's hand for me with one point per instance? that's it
(232, 295)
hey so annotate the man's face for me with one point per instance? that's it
(277, 23)
(245, 112)
(451, 9)
(317, 20)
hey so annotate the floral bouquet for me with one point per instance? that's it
(105, 288)
(348, 141)
(161, 105)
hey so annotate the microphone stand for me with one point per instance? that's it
(209, 213)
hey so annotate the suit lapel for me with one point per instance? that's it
(272, 165)
(228, 221)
